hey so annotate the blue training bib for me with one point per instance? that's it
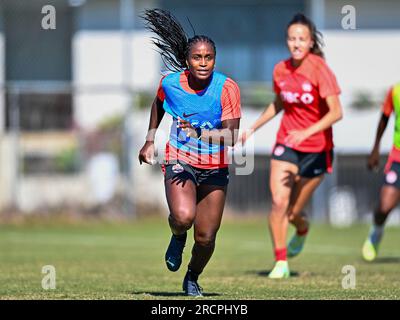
(203, 110)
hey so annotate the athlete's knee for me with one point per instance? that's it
(279, 204)
(205, 239)
(384, 209)
(182, 218)
(389, 199)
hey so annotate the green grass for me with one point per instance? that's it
(125, 261)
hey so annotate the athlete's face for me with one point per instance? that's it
(299, 41)
(201, 60)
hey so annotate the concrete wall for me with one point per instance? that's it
(2, 82)
(112, 57)
(364, 59)
(2, 72)
(370, 14)
(104, 85)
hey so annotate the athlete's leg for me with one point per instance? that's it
(210, 206)
(389, 198)
(302, 193)
(282, 179)
(181, 198)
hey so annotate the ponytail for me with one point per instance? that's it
(172, 41)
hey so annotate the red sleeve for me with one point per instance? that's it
(160, 91)
(327, 82)
(230, 100)
(387, 106)
(275, 76)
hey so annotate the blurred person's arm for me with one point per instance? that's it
(270, 112)
(295, 137)
(373, 159)
(146, 154)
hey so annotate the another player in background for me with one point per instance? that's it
(390, 191)
(205, 107)
(307, 91)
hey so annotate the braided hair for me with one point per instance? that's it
(172, 41)
(316, 35)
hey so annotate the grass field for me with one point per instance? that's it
(125, 261)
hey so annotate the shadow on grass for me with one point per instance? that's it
(387, 260)
(171, 294)
(265, 273)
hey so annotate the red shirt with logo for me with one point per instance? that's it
(304, 91)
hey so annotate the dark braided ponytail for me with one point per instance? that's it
(172, 41)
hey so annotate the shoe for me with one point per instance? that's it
(190, 285)
(295, 245)
(173, 256)
(370, 247)
(369, 250)
(280, 271)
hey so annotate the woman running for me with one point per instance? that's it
(205, 107)
(307, 92)
(390, 191)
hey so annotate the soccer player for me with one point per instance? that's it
(307, 92)
(390, 191)
(205, 107)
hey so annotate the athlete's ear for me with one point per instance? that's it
(187, 64)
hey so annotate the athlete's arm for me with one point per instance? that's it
(373, 159)
(146, 154)
(270, 112)
(226, 136)
(295, 137)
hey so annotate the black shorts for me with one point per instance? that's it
(310, 164)
(392, 175)
(183, 171)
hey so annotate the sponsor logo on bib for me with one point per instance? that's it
(177, 168)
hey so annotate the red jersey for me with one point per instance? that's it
(231, 109)
(304, 91)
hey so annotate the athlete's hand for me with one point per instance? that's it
(187, 127)
(373, 160)
(147, 152)
(184, 124)
(296, 137)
